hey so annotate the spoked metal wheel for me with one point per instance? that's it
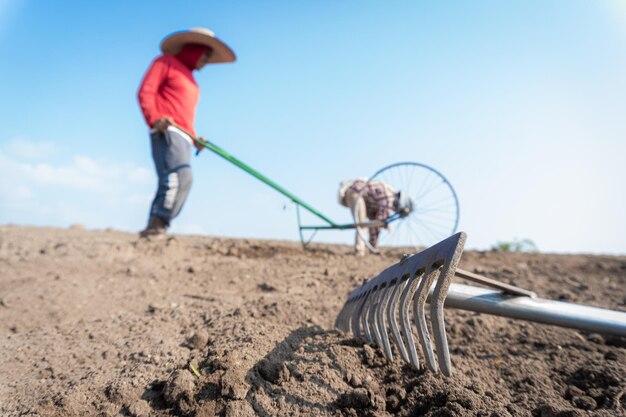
(425, 211)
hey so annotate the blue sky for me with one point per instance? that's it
(519, 104)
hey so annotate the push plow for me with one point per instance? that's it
(434, 216)
(394, 302)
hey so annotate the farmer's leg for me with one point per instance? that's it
(359, 243)
(357, 205)
(157, 142)
(171, 154)
(374, 232)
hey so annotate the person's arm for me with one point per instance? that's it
(148, 92)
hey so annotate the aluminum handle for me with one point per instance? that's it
(576, 316)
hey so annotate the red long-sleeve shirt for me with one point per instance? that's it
(169, 90)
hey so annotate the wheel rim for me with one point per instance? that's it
(435, 214)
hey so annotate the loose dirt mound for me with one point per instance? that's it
(101, 323)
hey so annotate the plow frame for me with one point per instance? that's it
(329, 224)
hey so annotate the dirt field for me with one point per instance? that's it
(101, 323)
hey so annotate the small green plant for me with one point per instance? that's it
(517, 245)
(194, 369)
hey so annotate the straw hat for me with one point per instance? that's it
(172, 44)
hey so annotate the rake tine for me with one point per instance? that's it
(347, 319)
(359, 315)
(356, 318)
(439, 327)
(436, 308)
(340, 322)
(364, 316)
(382, 308)
(420, 318)
(340, 317)
(392, 316)
(407, 295)
(373, 316)
(344, 322)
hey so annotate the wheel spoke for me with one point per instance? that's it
(436, 213)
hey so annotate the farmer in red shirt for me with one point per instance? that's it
(168, 97)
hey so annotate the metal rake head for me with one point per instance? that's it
(370, 307)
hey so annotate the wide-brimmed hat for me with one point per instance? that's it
(172, 44)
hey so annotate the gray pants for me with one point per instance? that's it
(171, 154)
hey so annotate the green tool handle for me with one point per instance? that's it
(216, 149)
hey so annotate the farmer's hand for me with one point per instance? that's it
(162, 124)
(198, 145)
